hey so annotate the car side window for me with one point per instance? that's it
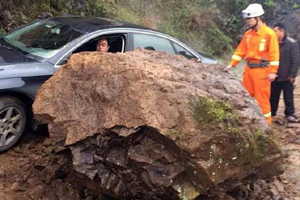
(116, 43)
(182, 51)
(152, 42)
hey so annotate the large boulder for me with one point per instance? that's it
(148, 125)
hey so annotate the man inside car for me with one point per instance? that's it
(102, 45)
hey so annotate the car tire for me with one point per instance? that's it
(13, 119)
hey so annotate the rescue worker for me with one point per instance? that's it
(259, 47)
(287, 72)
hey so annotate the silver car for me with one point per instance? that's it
(31, 54)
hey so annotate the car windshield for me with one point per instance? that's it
(43, 39)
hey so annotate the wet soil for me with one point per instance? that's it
(35, 169)
(38, 168)
(287, 185)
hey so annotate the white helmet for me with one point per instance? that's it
(253, 10)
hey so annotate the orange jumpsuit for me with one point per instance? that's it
(254, 47)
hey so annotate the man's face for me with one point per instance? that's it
(279, 33)
(102, 45)
(251, 22)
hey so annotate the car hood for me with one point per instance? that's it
(209, 61)
(9, 56)
(29, 69)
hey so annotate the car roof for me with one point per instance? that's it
(91, 24)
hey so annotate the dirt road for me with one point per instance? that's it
(39, 169)
(288, 184)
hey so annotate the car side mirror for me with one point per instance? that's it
(63, 61)
(182, 53)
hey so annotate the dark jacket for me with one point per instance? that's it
(289, 59)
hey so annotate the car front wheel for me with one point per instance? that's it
(12, 121)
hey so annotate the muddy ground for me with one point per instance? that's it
(37, 168)
(287, 185)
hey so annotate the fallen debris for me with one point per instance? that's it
(146, 124)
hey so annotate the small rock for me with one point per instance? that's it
(18, 187)
(18, 150)
(27, 161)
(267, 198)
(35, 181)
(11, 25)
(279, 186)
(263, 184)
(297, 141)
(39, 167)
(273, 191)
(292, 125)
(61, 150)
(45, 15)
(295, 192)
(256, 187)
(30, 146)
(23, 17)
(61, 189)
(281, 123)
(21, 196)
(47, 174)
(284, 181)
(47, 142)
(8, 15)
(37, 192)
(277, 197)
(3, 195)
(89, 197)
(49, 150)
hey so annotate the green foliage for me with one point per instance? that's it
(269, 7)
(212, 115)
(209, 26)
(258, 142)
(168, 28)
(45, 6)
(217, 42)
(269, 3)
(230, 20)
(57, 4)
(295, 6)
(138, 7)
(196, 23)
(209, 4)
(215, 116)
(95, 8)
(123, 14)
(174, 133)
(110, 9)
(2, 30)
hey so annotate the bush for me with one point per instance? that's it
(218, 42)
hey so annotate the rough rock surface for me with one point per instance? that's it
(144, 124)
